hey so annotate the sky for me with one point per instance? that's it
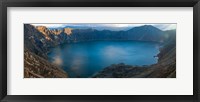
(115, 27)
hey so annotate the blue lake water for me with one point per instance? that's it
(84, 59)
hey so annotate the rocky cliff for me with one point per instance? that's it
(36, 45)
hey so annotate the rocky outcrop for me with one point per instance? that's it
(68, 31)
(44, 30)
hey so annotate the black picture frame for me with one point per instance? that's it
(99, 3)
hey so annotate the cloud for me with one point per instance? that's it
(50, 25)
(165, 26)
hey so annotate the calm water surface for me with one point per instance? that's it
(84, 59)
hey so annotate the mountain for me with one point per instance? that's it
(142, 33)
(146, 33)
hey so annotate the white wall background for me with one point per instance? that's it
(182, 85)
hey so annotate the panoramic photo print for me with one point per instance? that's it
(100, 50)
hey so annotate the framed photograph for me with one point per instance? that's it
(102, 50)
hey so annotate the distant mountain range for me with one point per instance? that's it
(95, 27)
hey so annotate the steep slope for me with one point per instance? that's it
(36, 46)
(35, 41)
(37, 67)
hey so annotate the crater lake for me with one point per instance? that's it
(84, 59)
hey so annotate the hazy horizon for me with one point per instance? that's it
(114, 27)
